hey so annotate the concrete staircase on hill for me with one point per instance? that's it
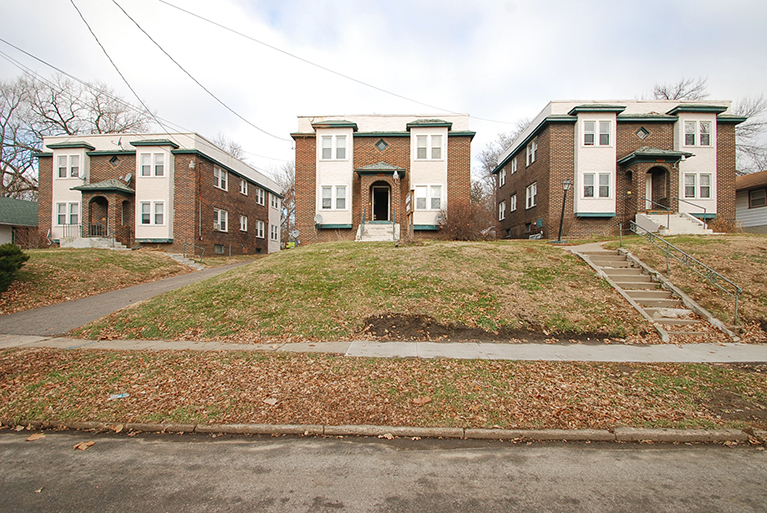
(186, 261)
(91, 242)
(671, 316)
(378, 232)
(680, 223)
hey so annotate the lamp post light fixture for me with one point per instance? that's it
(565, 187)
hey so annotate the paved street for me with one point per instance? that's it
(199, 473)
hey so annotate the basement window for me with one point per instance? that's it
(218, 249)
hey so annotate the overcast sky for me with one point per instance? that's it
(498, 60)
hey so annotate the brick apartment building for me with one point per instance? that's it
(623, 158)
(355, 173)
(159, 190)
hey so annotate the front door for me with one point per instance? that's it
(381, 198)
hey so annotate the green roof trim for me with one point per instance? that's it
(557, 118)
(42, 154)
(380, 168)
(731, 119)
(108, 153)
(701, 215)
(18, 212)
(595, 214)
(462, 134)
(382, 134)
(155, 142)
(335, 123)
(596, 107)
(715, 109)
(229, 169)
(427, 123)
(426, 227)
(111, 185)
(335, 226)
(154, 241)
(647, 154)
(647, 118)
(71, 145)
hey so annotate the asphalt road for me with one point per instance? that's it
(61, 318)
(199, 473)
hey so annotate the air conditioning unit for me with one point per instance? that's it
(217, 226)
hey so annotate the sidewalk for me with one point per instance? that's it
(688, 353)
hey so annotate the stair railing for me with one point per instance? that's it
(695, 265)
(196, 247)
(696, 205)
(664, 207)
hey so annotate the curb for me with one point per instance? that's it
(623, 434)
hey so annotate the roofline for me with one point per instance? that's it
(556, 118)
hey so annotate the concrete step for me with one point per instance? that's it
(622, 271)
(632, 278)
(671, 321)
(638, 295)
(658, 303)
(629, 285)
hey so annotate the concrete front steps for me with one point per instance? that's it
(679, 223)
(673, 320)
(378, 232)
(91, 242)
(186, 261)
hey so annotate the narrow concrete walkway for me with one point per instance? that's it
(688, 353)
(61, 318)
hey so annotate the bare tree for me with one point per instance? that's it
(750, 135)
(33, 109)
(230, 146)
(684, 89)
(285, 177)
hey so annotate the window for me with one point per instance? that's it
(274, 200)
(327, 199)
(331, 142)
(697, 185)
(259, 229)
(502, 177)
(148, 208)
(697, 132)
(588, 133)
(72, 170)
(531, 195)
(513, 203)
(274, 233)
(757, 198)
(428, 147)
(159, 209)
(243, 187)
(146, 164)
(705, 186)
(220, 220)
(220, 179)
(502, 211)
(589, 185)
(428, 197)
(218, 249)
(243, 223)
(74, 166)
(260, 196)
(532, 151)
(74, 213)
(604, 185)
(604, 133)
(61, 214)
(62, 166)
(513, 165)
(689, 185)
(146, 213)
(159, 164)
(152, 164)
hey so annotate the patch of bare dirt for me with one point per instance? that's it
(392, 326)
(732, 406)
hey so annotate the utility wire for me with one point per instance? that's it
(194, 79)
(119, 72)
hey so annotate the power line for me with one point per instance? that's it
(118, 70)
(347, 77)
(194, 79)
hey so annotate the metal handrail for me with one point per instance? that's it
(696, 205)
(197, 247)
(666, 208)
(691, 262)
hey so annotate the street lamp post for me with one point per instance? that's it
(566, 187)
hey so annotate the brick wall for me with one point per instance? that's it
(458, 170)
(725, 164)
(44, 195)
(306, 185)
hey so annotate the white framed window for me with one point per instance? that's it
(689, 185)
(145, 160)
(704, 190)
(333, 147)
(333, 197)
(62, 167)
(275, 201)
(532, 152)
(220, 220)
(259, 229)
(152, 212)
(591, 188)
(757, 198)
(604, 133)
(61, 214)
(697, 133)
(428, 197)
(68, 166)
(74, 213)
(428, 147)
(159, 213)
(67, 213)
(274, 233)
(697, 185)
(243, 223)
(220, 179)
(502, 177)
(513, 203)
(531, 195)
(589, 133)
(501, 210)
(604, 185)
(588, 185)
(146, 212)
(260, 196)
(159, 164)
(74, 166)
(152, 164)
(243, 187)
(513, 165)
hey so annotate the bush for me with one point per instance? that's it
(11, 260)
(467, 221)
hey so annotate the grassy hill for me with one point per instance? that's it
(459, 290)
